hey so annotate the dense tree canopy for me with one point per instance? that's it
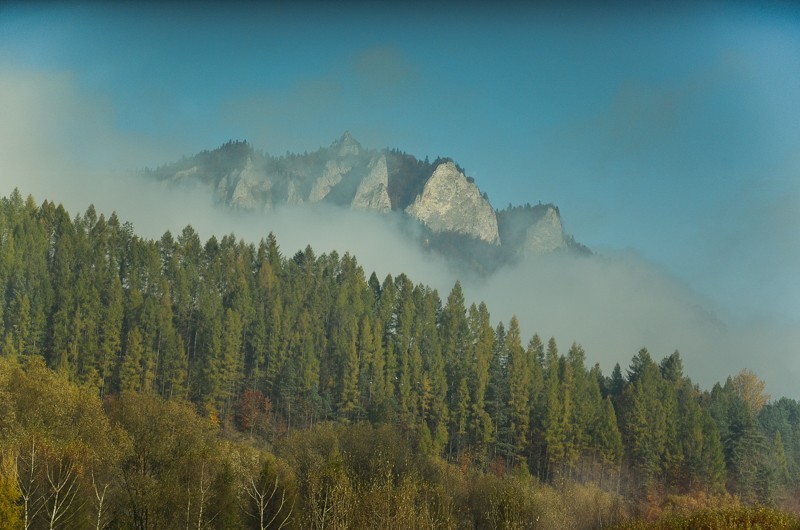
(133, 370)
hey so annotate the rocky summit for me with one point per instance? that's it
(451, 203)
(455, 216)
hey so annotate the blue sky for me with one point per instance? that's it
(673, 133)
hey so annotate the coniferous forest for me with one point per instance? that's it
(181, 383)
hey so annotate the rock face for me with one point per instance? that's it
(331, 176)
(244, 188)
(347, 145)
(373, 191)
(222, 189)
(249, 188)
(292, 195)
(535, 229)
(545, 235)
(459, 221)
(450, 203)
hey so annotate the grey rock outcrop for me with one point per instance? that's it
(331, 176)
(458, 219)
(373, 191)
(545, 235)
(250, 189)
(293, 197)
(451, 203)
(347, 145)
(185, 173)
(222, 189)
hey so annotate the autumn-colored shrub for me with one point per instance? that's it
(518, 501)
(731, 518)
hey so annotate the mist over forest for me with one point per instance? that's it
(612, 303)
(176, 353)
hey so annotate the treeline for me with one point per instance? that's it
(139, 461)
(265, 344)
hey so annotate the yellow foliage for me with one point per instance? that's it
(10, 510)
(748, 387)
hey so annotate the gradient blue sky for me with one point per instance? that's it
(674, 133)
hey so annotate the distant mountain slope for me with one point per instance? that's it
(456, 217)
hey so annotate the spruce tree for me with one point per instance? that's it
(130, 371)
(518, 391)
(482, 339)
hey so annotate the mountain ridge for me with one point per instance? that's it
(448, 205)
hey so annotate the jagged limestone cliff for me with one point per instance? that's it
(373, 191)
(546, 234)
(250, 188)
(450, 203)
(458, 219)
(347, 145)
(331, 176)
(292, 195)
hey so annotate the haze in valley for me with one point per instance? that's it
(668, 138)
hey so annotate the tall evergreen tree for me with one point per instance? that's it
(497, 394)
(518, 391)
(130, 370)
(482, 338)
(455, 346)
(645, 421)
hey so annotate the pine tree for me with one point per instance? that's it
(608, 439)
(556, 411)
(455, 341)
(538, 404)
(175, 368)
(497, 394)
(645, 421)
(616, 383)
(404, 341)
(61, 343)
(586, 403)
(743, 443)
(130, 371)
(349, 400)
(372, 374)
(110, 333)
(482, 338)
(433, 363)
(711, 472)
(518, 391)
(230, 361)
(20, 320)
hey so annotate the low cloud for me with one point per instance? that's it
(58, 144)
(384, 69)
(617, 303)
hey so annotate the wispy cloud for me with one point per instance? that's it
(384, 70)
(316, 109)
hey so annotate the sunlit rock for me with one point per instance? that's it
(451, 203)
(546, 234)
(331, 176)
(373, 191)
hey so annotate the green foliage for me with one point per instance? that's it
(224, 363)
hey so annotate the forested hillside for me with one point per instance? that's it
(177, 383)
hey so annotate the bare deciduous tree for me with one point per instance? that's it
(262, 495)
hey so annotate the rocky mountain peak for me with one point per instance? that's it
(346, 145)
(456, 219)
(450, 202)
(373, 191)
(546, 234)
